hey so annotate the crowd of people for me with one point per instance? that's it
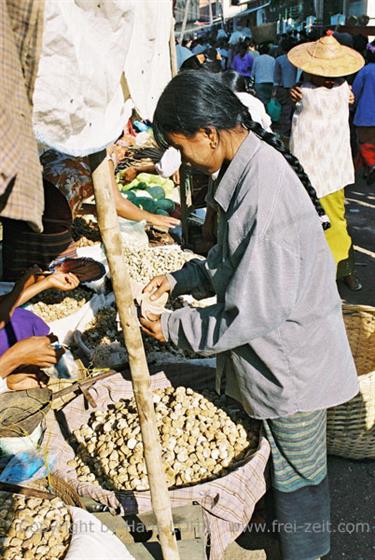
(325, 117)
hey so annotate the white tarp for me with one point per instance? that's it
(147, 67)
(78, 101)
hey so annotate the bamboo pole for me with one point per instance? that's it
(172, 50)
(110, 233)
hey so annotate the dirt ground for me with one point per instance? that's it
(352, 483)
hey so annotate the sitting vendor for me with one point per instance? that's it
(26, 344)
(72, 176)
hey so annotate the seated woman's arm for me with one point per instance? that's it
(19, 365)
(128, 210)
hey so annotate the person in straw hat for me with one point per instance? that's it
(320, 136)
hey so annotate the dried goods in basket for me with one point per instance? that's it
(202, 436)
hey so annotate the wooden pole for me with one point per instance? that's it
(172, 50)
(110, 233)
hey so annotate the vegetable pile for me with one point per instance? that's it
(149, 192)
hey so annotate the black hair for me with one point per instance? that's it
(234, 81)
(197, 100)
(264, 49)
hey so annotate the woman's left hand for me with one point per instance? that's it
(23, 381)
(62, 281)
(152, 328)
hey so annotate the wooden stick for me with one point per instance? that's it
(110, 232)
(172, 50)
(17, 489)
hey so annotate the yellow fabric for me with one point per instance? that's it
(337, 235)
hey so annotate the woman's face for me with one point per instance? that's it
(203, 150)
(321, 81)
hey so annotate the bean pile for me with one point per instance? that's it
(53, 304)
(33, 528)
(202, 436)
(144, 264)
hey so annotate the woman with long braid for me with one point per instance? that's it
(277, 328)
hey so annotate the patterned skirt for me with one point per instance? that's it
(301, 507)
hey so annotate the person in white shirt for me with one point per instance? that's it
(237, 84)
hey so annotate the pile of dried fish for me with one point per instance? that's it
(52, 305)
(144, 264)
(33, 528)
(85, 232)
(202, 437)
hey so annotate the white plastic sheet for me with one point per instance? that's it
(91, 539)
(147, 66)
(78, 102)
(79, 105)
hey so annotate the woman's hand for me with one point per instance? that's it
(157, 287)
(23, 381)
(13, 299)
(62, 281)
(162, 221)
(351, 96)
(296, 94)
(152, 328)
(37, 351)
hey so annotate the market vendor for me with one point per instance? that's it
(277, 327)
(26, 344)
(72, 176)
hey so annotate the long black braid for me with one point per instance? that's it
(196, 100)
(276, 143)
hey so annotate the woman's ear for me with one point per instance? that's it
(212, 136)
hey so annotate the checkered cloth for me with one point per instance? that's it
(227, 502)
(21, 190)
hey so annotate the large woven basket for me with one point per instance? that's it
(351, 426)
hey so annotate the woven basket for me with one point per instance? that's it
(351, 426)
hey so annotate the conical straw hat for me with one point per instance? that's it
(326, 57)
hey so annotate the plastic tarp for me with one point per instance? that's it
(79, 105)
(91, 539)
(147, 66)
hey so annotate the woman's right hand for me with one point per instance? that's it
(162, 221)
(295, 94)
(157, 287)
(37, 351)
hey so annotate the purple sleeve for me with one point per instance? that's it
(234, 63)
(22, 325)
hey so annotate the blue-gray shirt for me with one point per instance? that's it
(263, 69)
(277, 327)
(285, 74)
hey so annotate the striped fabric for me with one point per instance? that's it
(298, 450)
